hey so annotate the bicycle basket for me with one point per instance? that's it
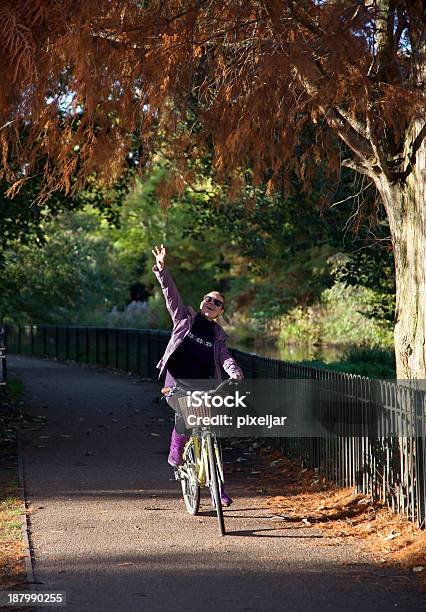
(188, 410)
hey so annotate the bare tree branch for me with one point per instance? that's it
(354, 122)
(357, 167)
(376, 145)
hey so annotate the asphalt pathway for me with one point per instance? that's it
(108, 525)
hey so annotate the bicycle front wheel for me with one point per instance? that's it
(189, 481)
(214, 484)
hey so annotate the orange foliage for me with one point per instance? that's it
(80, 78)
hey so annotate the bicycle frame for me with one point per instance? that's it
(198, 440)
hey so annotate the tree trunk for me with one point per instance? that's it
(405, 203)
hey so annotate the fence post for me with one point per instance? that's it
(97, 345)
(252, 365)
(138, 352)
(3, 368)
(420, 458)
(106, 346)
(77, 343)
(127, 351)
(148, 369)
(87, 345)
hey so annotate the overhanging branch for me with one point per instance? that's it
(353, 165)
(353, 135)
(355, 123)
(359, 145)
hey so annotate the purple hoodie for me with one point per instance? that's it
(182, 317)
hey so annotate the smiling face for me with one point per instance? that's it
(209, 307)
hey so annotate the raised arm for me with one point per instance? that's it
(174, 303)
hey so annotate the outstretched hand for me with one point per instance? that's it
(160, 256)
(237, 376)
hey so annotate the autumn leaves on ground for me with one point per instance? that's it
(300, 496)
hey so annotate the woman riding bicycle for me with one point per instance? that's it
(196, 350)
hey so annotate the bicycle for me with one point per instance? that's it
(202, 459)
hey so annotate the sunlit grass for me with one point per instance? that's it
(11, 542)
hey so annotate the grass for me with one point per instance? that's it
(11, 544)
(12, 572)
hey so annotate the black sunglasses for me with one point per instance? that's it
(212, 300)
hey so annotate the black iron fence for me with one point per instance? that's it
(378, 442)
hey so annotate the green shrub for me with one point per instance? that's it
(342, 316)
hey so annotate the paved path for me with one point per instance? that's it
(109, 528)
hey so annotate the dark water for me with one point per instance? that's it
(295, 352)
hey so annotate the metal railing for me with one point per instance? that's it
(356, 453)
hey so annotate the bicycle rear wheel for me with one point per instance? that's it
(214, 484)
(189, 481)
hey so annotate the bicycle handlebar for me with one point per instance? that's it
(228, 381)
(224, 383)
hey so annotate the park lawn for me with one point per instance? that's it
(12, 567)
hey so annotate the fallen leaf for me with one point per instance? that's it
(125, 563)
(392, 536)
